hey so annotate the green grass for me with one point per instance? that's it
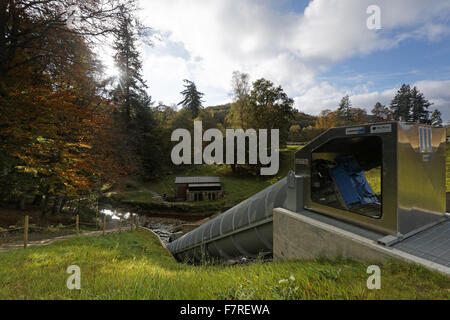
(374, 179)
(133, 265)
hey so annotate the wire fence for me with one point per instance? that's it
(30, 233)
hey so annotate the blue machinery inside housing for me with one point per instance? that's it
(351, 182)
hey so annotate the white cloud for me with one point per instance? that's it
(318, 98)
(206, 40)
(326, 96)
(165, 84)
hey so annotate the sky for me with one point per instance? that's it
(318, 50)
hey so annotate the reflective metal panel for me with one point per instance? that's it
(421, 176)
(413, 174)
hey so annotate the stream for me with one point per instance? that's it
(164, 227)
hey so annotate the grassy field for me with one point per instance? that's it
(133, 265)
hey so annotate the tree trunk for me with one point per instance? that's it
(62, 204)
(37, 200)
(55, 206)
(20, 203)
(44, 207)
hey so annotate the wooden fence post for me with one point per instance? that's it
(120, 225)
(77, 224)
(25, 233)
(137, 221)
(104, 225)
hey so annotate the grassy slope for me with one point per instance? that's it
(135, 266)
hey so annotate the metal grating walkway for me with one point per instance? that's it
(432, 244)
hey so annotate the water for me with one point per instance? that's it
(115, 215)
(163, 227)
(163, 230)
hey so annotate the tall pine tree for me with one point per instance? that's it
(192, 98)
(410, 105)
(419, 107)
(130, 95)
(401, 104)
(345, 110)
(130, 92)
(436, 118)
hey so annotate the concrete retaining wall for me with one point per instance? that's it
(296, 236)
(300, 237)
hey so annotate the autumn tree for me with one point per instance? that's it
(327, 119)
(56, 136)
(29, 29)
(56, 128)
(358, 116)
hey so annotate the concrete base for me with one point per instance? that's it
(296, 236)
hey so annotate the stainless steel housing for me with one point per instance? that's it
(412, 159)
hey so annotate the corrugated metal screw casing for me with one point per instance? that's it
(244, 230)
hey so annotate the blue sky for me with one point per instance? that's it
(317, 50)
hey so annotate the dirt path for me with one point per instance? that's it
(15, 246)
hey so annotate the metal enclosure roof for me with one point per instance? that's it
(199, 179)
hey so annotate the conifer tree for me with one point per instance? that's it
(401, 104)
(436, 118)
(130, 92)
(345, 110)
(192, 98)
(419, 107)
